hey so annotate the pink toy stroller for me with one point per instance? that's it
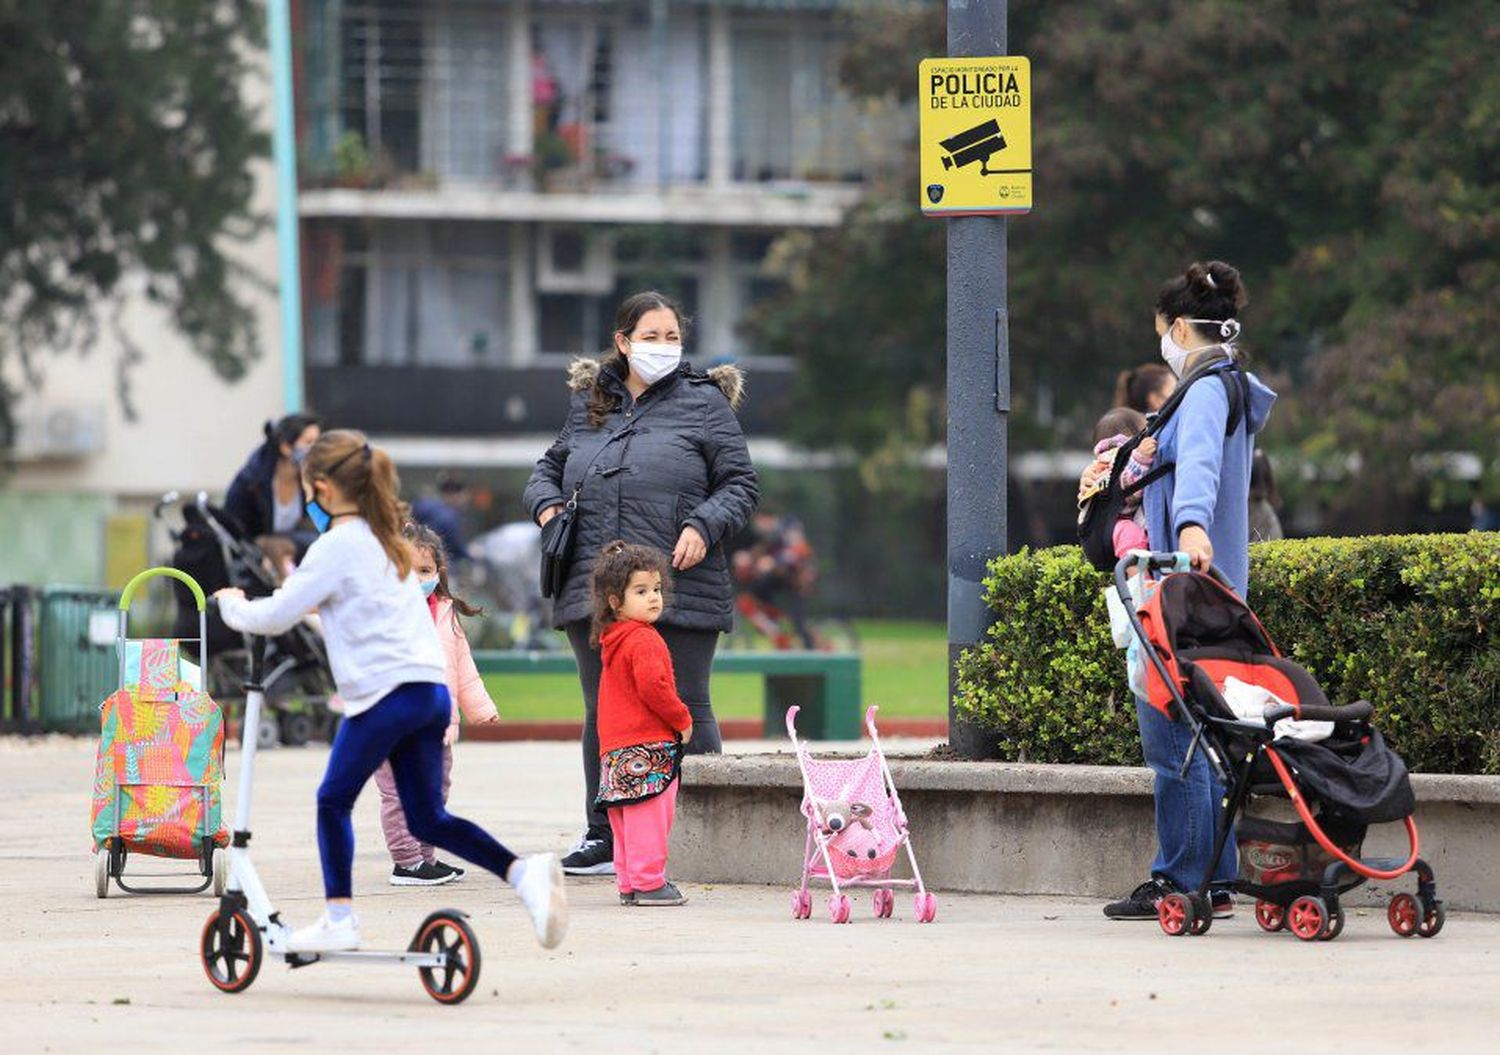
(855, 830)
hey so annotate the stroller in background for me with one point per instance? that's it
(855, 830)
(298, 681)
(1197, 634)
(159, 774)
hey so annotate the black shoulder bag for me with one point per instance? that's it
(560, 534)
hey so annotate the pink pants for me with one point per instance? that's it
(641, 833)
(1128, 535)
(406, 850)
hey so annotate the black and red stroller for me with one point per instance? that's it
(1200, 641)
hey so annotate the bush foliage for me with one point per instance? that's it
(1407, 622)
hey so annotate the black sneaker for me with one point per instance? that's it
(667, 894)
(1223, 903)
(593, 856)
(444, 868)
(424, 874)
(1141, 904)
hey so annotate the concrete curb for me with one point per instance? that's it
(987, 827)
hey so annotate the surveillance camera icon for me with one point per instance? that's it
(975, 144)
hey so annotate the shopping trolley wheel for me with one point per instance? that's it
(1270, 916)
(230, 950)
(447, 932)
(1335, 925)
(1433, 917)
(1308, 918)
(801, 904)
(101, 871)
(220, 870)
(1404, 915)
(884, 903)
(839, 908)
(1175, 914)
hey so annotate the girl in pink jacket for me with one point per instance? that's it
(416, 863)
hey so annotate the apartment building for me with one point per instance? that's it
(483, 180)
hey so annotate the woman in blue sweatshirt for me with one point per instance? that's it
(1200, 508)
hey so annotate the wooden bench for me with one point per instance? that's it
(826, 685)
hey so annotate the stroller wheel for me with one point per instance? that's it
(925, 907)
(1270, 916)
(220, 870)
(1335, 922)
(801, 904)
(839, 908)
(1175, 914)
(1432, 919)
(1403, 915)
(1308, 918)
(884, 903)
(1203, 916)
(101, 872)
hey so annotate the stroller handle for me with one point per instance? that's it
(1353, 712)
(170, 573)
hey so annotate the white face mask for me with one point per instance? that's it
(652, 361)
(1177, 356)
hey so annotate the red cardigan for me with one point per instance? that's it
(638, 701)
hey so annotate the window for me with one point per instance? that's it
(409, 294)
(791, 119)
(423, 88)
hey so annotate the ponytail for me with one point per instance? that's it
(367, 477)
(380, 504)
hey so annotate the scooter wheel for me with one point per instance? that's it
(231, 950)
(446, 932)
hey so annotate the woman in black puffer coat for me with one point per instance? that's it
(657, 457)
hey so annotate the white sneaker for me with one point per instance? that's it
(326, 936)
(541, 890)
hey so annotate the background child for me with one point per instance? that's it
(1119, 425)
(390, 670)
(642, 721)
(415, 862)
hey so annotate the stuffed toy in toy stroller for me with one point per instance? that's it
(856, 829)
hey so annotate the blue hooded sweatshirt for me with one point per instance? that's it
(1211, 485)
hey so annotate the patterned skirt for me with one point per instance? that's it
(628, 775)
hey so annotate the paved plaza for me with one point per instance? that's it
(731, 972)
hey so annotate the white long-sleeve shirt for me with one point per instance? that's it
(377, 625)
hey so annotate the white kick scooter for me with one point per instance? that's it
(246, 927)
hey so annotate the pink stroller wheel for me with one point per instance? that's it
(801, 904)
(884, 903)
(839, 908)
(925, 907)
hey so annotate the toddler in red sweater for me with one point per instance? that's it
(643, 723)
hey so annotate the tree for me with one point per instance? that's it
(125, 152)
(1343, 155)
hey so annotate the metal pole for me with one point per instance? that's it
(978, 394)
(284, 149)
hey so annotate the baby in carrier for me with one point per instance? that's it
(1110, 434)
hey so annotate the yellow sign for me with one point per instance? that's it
(976, 136)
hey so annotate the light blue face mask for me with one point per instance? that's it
(428, 586)
(318, 515)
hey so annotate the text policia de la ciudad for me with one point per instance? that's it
(972, 89)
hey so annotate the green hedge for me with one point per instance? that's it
(1411, 623)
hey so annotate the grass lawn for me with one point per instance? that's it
(904, 672)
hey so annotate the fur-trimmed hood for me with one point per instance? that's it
(583, 372)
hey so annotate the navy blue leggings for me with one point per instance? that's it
(407, 727)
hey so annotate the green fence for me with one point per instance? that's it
(77, 665)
